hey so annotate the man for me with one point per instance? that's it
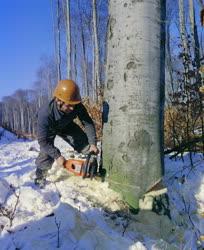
(56, 118)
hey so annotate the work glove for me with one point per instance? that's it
(93, 148)
(60, 161)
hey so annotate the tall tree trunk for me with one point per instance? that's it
(48, 82)
(58, 44)
(29, 120)
(182, 26)
(134, 91)
(194, 33)
(96, 81)
(84, 64)
(68, 36)
(192, 19)
(169, 63)
(54, 36)
(75, 61)
(15, 117)
(22, 128)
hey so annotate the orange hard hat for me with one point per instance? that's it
(68, 92)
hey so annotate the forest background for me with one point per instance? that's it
(81, 30)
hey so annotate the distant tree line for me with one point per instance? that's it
(19, 110)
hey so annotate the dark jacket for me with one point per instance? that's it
(51, 121)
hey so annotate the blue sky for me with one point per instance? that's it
(26, 34)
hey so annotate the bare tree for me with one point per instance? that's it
(68, 40)
(58, 41)
(83, 45)
(96, 83)
(194, 33)
(182, 25)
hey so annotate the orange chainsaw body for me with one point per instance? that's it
(75, 166)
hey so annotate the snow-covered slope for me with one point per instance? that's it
(71, 213)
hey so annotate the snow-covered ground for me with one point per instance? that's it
(71, 213)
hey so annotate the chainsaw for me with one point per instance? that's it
(85, 167)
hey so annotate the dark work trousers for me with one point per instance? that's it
(74, 136)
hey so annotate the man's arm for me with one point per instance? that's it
(45, 140)
(88, 124)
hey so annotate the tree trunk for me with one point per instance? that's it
(95, 52)
(68, 33)
(75, 62)
(84, 65)
(58, 43)
(182, 26)
(54, 36)
(194, 33)
(134, 92)
(83, 59)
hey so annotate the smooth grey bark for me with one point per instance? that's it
(134, 94)
(192, 18)
(194, 33)
(54, 33)
(96, 82)
(83, 57)
(182, 26)
(84, 65)
(75, 61)
(58, 43)
(68, 39)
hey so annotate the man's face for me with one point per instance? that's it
(64, 107)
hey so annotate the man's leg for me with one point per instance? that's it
(44, 163)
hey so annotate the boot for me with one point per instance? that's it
(40, 179)
(40, 182)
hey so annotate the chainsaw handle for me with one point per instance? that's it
(87, 164)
